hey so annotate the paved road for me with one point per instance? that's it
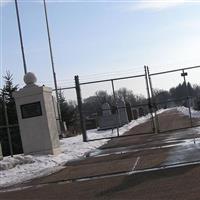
(140, 167)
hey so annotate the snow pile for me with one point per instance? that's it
(9, 162)
(185, 111)
(95, 134)
(22, 168)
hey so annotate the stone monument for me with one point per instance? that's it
(107, 120)
(106, 111)
(37, 118)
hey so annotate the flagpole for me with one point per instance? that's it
(20, 36)
(52, 63)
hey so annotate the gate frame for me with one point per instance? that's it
(79, 100)
(187, 97)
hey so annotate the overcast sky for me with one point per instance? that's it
(100, 37)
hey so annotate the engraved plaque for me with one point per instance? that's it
(31, 110)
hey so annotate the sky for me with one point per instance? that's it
(101, 39)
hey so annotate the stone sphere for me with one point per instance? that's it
(30, 78)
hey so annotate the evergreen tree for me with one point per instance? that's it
(7, 97)
(68, 110)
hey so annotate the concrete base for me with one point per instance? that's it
(55, 152)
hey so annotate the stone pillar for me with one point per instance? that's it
(37, 118)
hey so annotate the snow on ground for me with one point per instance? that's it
(185, 111)
(22, 168)
(95, 134)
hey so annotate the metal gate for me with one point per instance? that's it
(176, 111)
(107, 120)
(102, 118)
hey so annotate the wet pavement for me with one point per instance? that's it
(143, 166)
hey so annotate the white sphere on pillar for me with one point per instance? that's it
(30, 78)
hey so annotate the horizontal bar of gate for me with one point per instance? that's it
(65, 88)
(10, 126)
(174, 116)
(114, 79)
(175, 70)
(120, 136)
(173, 100)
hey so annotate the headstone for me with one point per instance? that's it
(37, 118)
(123, 117)
(135, 114)
(106, 111)
(107, 120)
(1, 154)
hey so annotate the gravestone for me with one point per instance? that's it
(37, 118)
(106, 110)
(107, 120)
(122, 114)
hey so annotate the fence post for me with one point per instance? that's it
(118, 117)
(153, 102)
(184, 74)
(79, 100)
(149, 99)
(7, 126)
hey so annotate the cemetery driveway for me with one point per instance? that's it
(143, 166)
